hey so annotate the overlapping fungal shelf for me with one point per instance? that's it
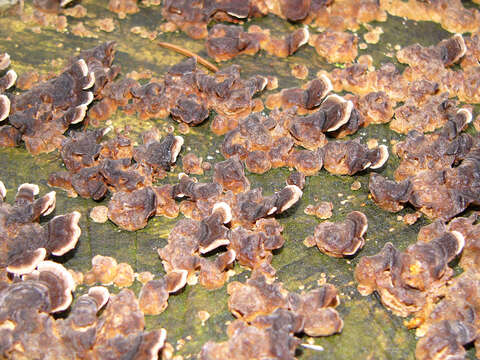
(239, 179)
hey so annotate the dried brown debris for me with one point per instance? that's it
(340, 239)
(25, 243)
(335, 46)
(269, 317)
(408, 281)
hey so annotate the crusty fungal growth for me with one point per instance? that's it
(406, 281)
(296, 178)
(269, 317)
(251, 205)
(131, 210)
(432, 114)
(281, 47)
(153, 297)
(268, 336)
(241, 223)
(388, 194)
(446, 53)
(183, 253)
(192, 164)
(451, 15)
(104, 270)
(30, 331)
(332, 114)
(231, 176)
(8, 135)
(322, 210)
(436, 151)
(193, 18)
(59, 282)
(50, 6)
(25, 242)
(123, 7)
(448, 338)
(335, 46)
(439, 194)
(95, 167)
(375, 107)
(340, 239)
(42, 114)
(190, 188)
(306, 98)
(227, 41)
(350, 157)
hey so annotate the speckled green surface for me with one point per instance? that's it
(370, 331)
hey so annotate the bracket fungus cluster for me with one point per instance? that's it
(228, 220)
(193, 18)
(30, 331)
(227, 41)
(236, 218)
(440, 193)
(269, 317)
(41, 115)
(407, 280)
(268, 142)
(419, 283)
(95, 167)
(185, 92)
(25, 243)
(6, 81)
